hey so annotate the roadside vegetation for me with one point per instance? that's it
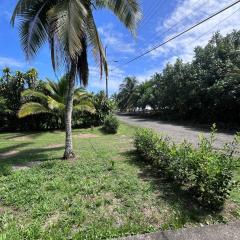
(206, 90)
(106, 192)
(206, 173)
(119, 180)
(70, 29)
(51, 99)
(29, 103)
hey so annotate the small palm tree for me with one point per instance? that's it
(69, 28)
(127, 93)
(51, 99)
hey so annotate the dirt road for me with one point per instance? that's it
(177, 132)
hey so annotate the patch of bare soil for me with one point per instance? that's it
(26, 166)
(87, 135)
(2, 210)
(229, 211)
(51, 146)
(21, 139)
(52, 220)
(8, 154)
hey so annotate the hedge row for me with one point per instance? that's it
(206, 172)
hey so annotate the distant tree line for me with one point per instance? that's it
(28, 103)
(206, 90)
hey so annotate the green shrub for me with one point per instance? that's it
(204, 171)
(153, 148)
(111, 124)
(5, 170)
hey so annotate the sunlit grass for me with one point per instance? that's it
(101, 194)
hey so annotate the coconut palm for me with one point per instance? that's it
(51, 99)
(69, 28)
(127, 93)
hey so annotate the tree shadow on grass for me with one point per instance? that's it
(28, 135)
(15, 156)
(177, 197)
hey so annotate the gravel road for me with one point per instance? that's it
(176, 131)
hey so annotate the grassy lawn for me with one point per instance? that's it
(104, 193)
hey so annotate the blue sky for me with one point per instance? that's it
(158, 17)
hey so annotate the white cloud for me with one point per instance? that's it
(194, 10)
(148, 74)
(10, 62)
(115, 40)
(5, 14)
(114, 79)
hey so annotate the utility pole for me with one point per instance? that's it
(106, 75)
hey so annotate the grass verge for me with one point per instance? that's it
(104, 193)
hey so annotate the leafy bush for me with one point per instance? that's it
(153, 148)
(111, 124)
(103, 106)
(207, 173)
(5, 170)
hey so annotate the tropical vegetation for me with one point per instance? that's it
(111, 124)
(207, 90)
(41, 103)
(70, 28)
(206, 173)
(107, 192)
(51, 99)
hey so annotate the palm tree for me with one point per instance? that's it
(69, 27)
(127, 93)
(51, 99)
(7, 73)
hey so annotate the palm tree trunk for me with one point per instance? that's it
(68, 119)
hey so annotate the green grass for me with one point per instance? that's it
(104, 193)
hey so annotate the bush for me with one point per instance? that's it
(5, 170)
(207, 173)
(103, 106)
(111, 124)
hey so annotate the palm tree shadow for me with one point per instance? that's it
(174, 194)
(27, 135)
(17, 157)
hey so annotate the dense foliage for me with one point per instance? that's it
(111, 124)
(51, 99)
(11, 88)
(203, 171)
(205, 90)
(41, 103)
(103, 107)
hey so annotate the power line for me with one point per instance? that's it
(152, 12)
(174, 25)
(182, 19)
(221, 21)
(182, 33)
(149, 11)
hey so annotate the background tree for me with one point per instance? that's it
(51, 99)
(206, 90)
(70, 28)
(127, 94)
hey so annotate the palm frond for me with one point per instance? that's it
(31, 93)
(82, 65)
(33, 25)
(84, 108)
(96, 44)
(55, 105)
(66, 21)
(128, 11)
(31, 108)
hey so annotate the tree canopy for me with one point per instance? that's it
(206, 89)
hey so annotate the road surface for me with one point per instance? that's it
(177, 132)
